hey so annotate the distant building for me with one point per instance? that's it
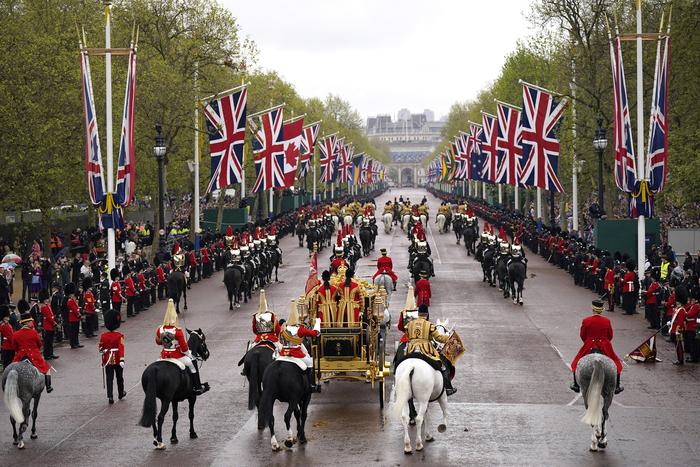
(410, 139)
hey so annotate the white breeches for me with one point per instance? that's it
(307, 358)
(188, 363)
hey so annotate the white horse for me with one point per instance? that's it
(441, 222)
(405, 221)
(416, 379)
(336, 222)
(388, 219)
(347, 219)
(597, 376)
(385, 281)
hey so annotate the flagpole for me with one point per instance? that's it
(313, 165)
(111, 239)
(516, 198)
(500, 194)
(539, 203)
(641, 173)
(574, 168)
(196, 157)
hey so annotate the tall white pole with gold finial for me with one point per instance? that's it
(111, 239)
(641, 173)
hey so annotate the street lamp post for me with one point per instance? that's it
(159, 153)
(600, 143)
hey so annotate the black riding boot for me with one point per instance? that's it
(47, 380)
(447, 383)
(311, 378)
(394, 286)
(575, 387)
(197, 385)
(618, 388)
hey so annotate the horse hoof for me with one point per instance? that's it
(288, 443)
(20, 445)
(33, 436)
(185, 307)
(408, 451)
(303, 440)
(193, 435)
(230, 308)
(173, 441)
(160, 447)
(442, 428)
(15, 442)
(602, 445)
(412, 422)
(419, 447)
(429, 439)
(594, 446)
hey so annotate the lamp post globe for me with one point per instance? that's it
(600, 143)
(159, 151)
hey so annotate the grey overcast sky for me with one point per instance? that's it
(384, 55)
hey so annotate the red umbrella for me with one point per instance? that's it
(12, 258)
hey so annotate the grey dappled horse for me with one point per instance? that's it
(597, 375)
(22, 382)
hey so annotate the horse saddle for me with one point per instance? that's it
(173, 361)
(297, 361)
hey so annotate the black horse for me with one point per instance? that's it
(233, 278)
(285, 382)
(254, 362)
(488, 265)
(501, 271)
(274, 260)
(366, 239)
(177, 286)
(168, 383)
(516, 278)
(457, 226)
(421, 263)
(470, 235)
(300, 232)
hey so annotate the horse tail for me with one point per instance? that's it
(267, 400)
(12, 400)
(403, 390)
(148, 415)
(594, 397)
(253, 383)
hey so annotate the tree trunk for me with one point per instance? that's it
(220, 209)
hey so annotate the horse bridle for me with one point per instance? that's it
(198, 357)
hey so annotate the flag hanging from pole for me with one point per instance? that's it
(292, 134)
(338, 155)
(475, 156)
(488, 147)
(326, 150)
(365, 171)
(539, 125)
(308, 146)
(93, 158)
(645, 352)
(268, 151)
(357, 168)
(461, 156)
(657, 155)
(226, 121)
(347, 164)
(126, 168)
(508, 149)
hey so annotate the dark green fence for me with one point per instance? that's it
(621, 235)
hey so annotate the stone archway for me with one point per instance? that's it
(407, 176)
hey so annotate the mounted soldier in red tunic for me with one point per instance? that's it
(385, 265)
(597, 334)
(26, 343)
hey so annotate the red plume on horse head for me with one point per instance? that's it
(502, 234)
(176, 248)
(229, 231)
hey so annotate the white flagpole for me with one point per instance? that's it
(539, 203)
(574, 168)
(271, 206)
(516, 197)
(641, 173)
(483, 190)
(196, 155)
(111, 239)
(500, 194)
(313, 165)
(332, 191)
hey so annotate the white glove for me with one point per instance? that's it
(317, 325)
(121, 364)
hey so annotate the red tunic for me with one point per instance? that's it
(296, 351)
(73, 311)
(628, 282)
(48, 319)
(267, 336)
(205, 255)
(423, 292)
(6, 332)
(130, 287)
(670, 304)
(180, 348)
(404, 337)
(160, 274)
(651, 293)
(27, 343)
(597, 333)
(112, 347)
(384, 264)
(116, 292)
(691, 316)
(678, 321)
(192, 259)
(89, 303)
(609, 279)
(142, 282)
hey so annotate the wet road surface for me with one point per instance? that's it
(513, 405)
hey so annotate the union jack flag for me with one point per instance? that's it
(365, 170)
(226, 118)
(268, 151)
(488, 147)
(540, 121)
(347, 163)
(327, 148)
(508, 148)
(342, 163)
(308, 145)
(625, 165)
(375, 168)
(338, 155)
(461, 147)
(126, 168)
(93, 158)
(657, 156)
(475, 156)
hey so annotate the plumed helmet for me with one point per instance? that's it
(262, 305)
(410, 300)
(170, 318)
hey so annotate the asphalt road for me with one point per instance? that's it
(513, 405)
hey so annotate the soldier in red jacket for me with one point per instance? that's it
(6, 332)
(74, 317)
(597, 334)
(48, 321)
(90, 325)
(692, 310)
(265, 325)
(629, 287)
(207, 268)
(130, 292)
(651, 310)
(116, 292)
(384, 264)
(111, 346)
(192, 263)
(610, 286)
(27, 343)
(423, 293)
(162, 282)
